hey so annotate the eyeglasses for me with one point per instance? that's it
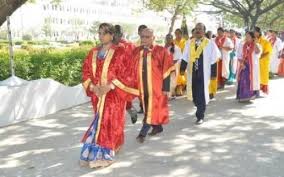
(102, 33)
(199, 29)
(144, 36)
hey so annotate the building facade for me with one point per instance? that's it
(71, 20)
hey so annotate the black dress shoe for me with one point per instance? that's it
(199, 122)
(133, 115)
(211, 96)
(140, 138)
(140, 111)
(155, 131)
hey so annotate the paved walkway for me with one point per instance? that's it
(237, 140)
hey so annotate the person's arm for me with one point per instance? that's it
(166, 84)
(229, 45)
(124, 76)
(267, 49)
(86, 75)
(168, 68)
(257, 48)
(185, 57)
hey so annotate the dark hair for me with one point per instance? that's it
(272, 31)
(118, 30)
(207, 34)
(232, 31)
(107, 27)
(178, 30)
(221, 29)
(251, 33)
(204, 27)
(141, 27)
(239, 34)
(257, 29)
(172, 49)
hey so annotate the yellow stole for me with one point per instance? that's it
(194, 55)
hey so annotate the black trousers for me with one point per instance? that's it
(146, 127)
(198, 95)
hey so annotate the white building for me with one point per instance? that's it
(71, 19)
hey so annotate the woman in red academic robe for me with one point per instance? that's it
(105, 78)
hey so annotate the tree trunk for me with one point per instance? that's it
(173, 20)
(253, 21)
(246, 22)
(8, 7)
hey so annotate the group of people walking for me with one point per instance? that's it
(117, 71)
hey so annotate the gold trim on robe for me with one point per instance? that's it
(120, 85)
(140, 74)
(101, 102)
(86, 83)
(150, 88)
(168, 72)
(94, 63)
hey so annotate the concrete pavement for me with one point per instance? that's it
(237, 140)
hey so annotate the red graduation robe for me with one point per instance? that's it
(159, 66)
(129, 47)
(111, 106)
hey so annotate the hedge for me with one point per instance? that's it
(62, 65)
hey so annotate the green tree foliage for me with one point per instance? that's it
(174, 7)
(249, 11)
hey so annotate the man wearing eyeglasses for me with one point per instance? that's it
(154, 65)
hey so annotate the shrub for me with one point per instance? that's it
(32, 43)
(84, 43)
(18, 42)
(27, 37)
(62, 65)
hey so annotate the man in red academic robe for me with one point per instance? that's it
(154, 65)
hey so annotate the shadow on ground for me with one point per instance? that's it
(237, 140)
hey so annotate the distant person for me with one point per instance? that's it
(248, 55)
(129, 47)
(264, 59)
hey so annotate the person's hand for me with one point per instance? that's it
(105, 89)
(96, 90)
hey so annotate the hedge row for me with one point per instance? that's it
(62, 65)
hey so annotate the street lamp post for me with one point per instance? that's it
(11, 51)
(13, 80)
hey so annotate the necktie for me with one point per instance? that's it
(197, 43)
